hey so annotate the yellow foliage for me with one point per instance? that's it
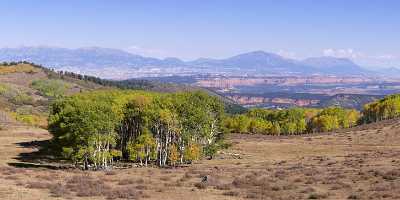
(192, 152)
(31, 119)
(3, 88)
(173, 154)
(26, 68)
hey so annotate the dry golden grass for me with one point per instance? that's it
(19, 68)
(359, 163)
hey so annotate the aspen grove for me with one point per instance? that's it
(94, 129)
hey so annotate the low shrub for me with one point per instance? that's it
(231, 193)
(223, 187)
(123, 193)
(22, 99)
(87, 186)
(201, 185)
(38, 185)
(126, 182)
(51, 88)
(110, 173)
(59, 190)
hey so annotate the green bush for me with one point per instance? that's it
(22, 99)
(31, 119)
(51, 87)
(3, 89)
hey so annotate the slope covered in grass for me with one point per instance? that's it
(26, 90)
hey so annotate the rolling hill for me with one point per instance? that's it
(26, 91)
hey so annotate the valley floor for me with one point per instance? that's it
(358, 163)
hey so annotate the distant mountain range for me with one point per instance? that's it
(118, 64)
(389, 72)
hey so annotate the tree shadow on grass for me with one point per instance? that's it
(40, 158)
(32, 165)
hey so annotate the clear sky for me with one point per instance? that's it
(368, 31)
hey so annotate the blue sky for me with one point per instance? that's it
(366, 31)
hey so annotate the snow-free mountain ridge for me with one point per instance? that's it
(105, 61)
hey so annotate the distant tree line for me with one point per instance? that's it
(125, 84)
(7, 64)
(291, 121)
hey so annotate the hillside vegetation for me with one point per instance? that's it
(27, 90)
